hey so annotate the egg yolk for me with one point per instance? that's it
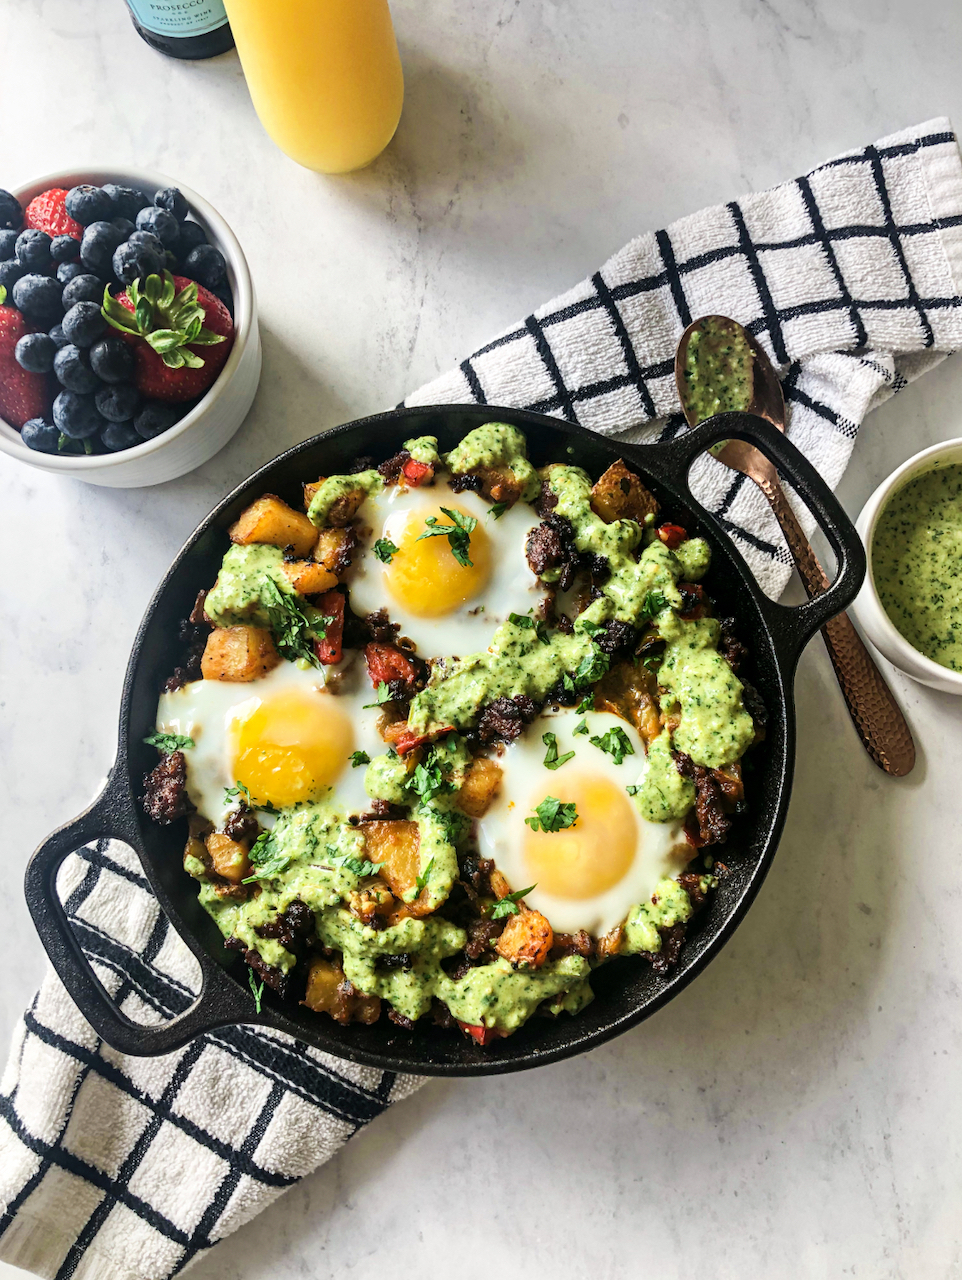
(291, 747)
(424, 575)
(590, 857)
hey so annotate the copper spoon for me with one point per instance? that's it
(874, 711)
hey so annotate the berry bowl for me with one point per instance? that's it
(207, 419)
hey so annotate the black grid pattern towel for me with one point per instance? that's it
(118, 1168)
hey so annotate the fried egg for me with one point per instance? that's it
(286, 737)
(590, 874)
(444, 606)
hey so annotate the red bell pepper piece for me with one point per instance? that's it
(328, 650)
(483, 1035)
(417, 473)
(385, 662)
(672, 535)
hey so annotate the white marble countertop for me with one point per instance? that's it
(796, 1110)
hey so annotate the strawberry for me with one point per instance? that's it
(46, 212)
(22, 395)
(169, 322)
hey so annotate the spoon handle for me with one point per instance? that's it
(874, 711)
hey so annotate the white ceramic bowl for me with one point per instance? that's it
(868, 611)
(210, 424)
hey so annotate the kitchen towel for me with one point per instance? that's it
(118, 1168)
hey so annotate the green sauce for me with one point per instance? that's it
(917, 563)
(719, 371)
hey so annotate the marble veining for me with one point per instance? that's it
(795, 1111)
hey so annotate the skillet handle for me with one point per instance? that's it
(221, 1000)
(792, 626)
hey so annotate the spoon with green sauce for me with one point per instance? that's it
(720, 368)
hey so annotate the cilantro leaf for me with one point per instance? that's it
(422, 880)
(498, 510)
(654, 603)
(232, 793)
(527, 623)
(615, 742)
(256, 990)
(429, 779)
(552, 815)
(169, 742)
(552, 760)
(266, 859)
(591, 667)
(458, 534)
(580, 727)
(633, 790)
(508, 905)
(383, 695)
(294, 625)
(587, 703)
(652, 661)
(357, 758)
(384, 549)
(347, 861)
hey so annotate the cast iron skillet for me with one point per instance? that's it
(627, 990)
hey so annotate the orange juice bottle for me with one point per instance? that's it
(324, 75)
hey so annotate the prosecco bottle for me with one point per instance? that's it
(182, 28)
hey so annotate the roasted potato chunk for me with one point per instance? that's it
(610, 945)
(628, 690)
(620, 495)
(334, 547)
(397, 844)
(526, 940)
(343, 508)
(228, 857)
(499, 885)
(328, 991)
(480, 786)
(238, 654)
(272, 521)
(310, 489)
(307, 577)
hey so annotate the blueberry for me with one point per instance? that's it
(10, 273)
(35, 352)
(120, 435)
(156, 417)
(11, 215)
(133, 261)
(123, 225)
(73, 371)
(163, 224)
(89, 204)
(191, 235)
(39, 298)
(172, 200)
(126, 201)
(118, 403)
(68, 271)
(148, 240)
(33, 249)
(112, 360)
(98, 245)
(84, 324)
(64, 249)
(8, 245)
(83, 288)
(58, 336)
(76, 415)
(40, 435)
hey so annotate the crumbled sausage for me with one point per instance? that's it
(573, 944)
(380, 627)
(729, 646)
(616, 635)
(165, 789)
(391, 469)
(694, 601)
(399, 1020)
(242, 824)
(546, 501)
(276, 979)
(290, 927)
(691, 882)
(481, 933)
(503, 719)
(467, 482)
(672, 941)
(712, 805)
(476, 873)
(756, 708)
(551, 545)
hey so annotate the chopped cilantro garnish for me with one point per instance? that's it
(360, 867)
(633, 791)
(458, 533)
(654, 603)
(257, 990)
(498, 510)
(169, 742)
(232, 793)
(615, 742)
(384, 549)
(552, 760)
(357, 758)
(266, 859)
(652, 661)
(294, 625)
(508, 905)
(580, 727)
(552, 815)
(422, 879)
(527, 623)
(429, 779)
(383, 695)
(591, 667)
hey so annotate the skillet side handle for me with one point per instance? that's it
(792, 626)
(220, 1001)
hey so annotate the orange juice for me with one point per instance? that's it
(324, 75)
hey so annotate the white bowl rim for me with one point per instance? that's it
(146, 180)
(914, 466)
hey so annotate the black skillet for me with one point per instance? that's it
(627, 990)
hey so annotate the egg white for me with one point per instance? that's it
(212, 711)
(511, 587)
(660, 848)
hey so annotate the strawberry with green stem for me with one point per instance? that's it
(23, 395)
(181, 334)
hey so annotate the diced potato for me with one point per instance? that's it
(328, 991)
(333, 548)
(628, 690)
(238, 654)
(499, 885)
(397, 844)
(526, 940)
(307, 577)
(344, 507)
(480, 787)
(228, 857)
(610, 945)
(272, 521)
(620, 495)
(310, 490)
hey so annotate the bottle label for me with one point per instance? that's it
(179, 17)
